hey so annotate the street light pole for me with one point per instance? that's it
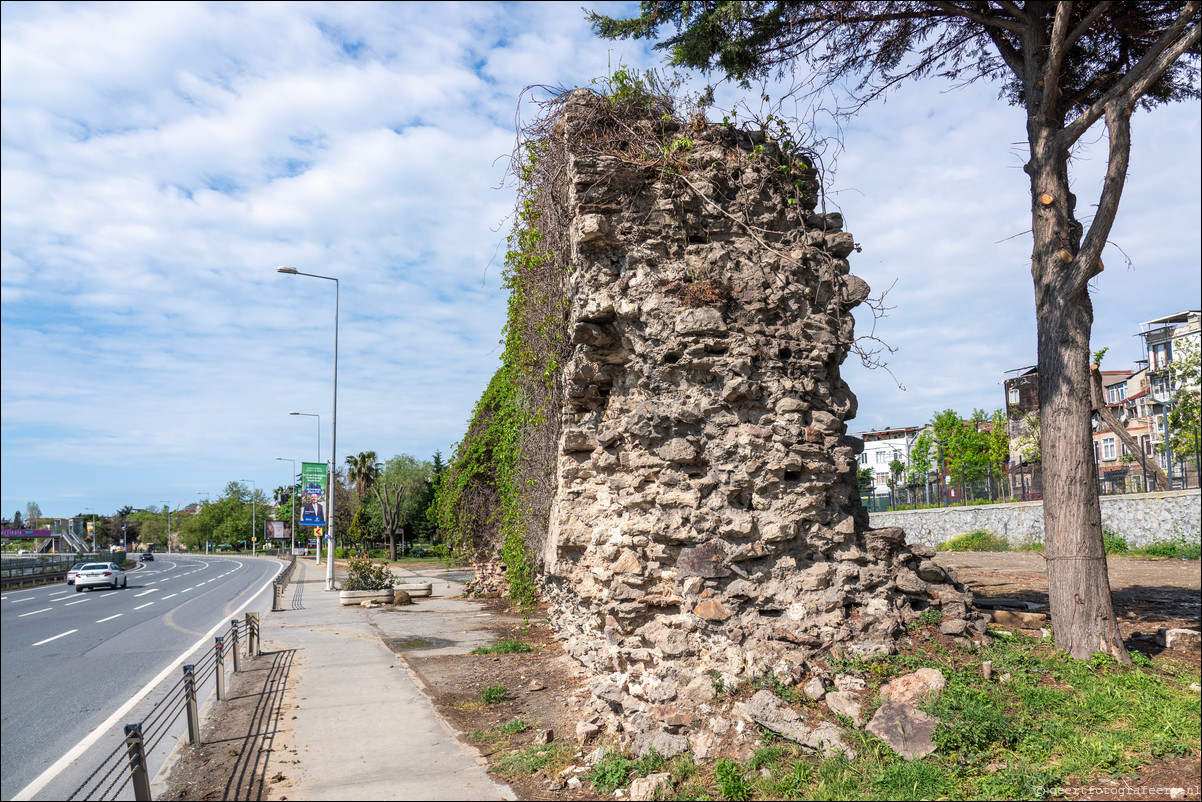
(313, 415)
(292, 500)
(333, 428)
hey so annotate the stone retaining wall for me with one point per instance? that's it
(1141, 518)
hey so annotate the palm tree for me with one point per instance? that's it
(362, 470)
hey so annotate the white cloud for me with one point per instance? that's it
(159, 160)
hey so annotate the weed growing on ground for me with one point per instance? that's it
(507, 646)
(523, 762)
(494, 694)
(731, 782)
(514, 727)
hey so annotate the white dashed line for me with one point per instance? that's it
(172, 596)
(110, 618)
(81, 601)
(35, 612)
(140, 606)
(143, 593)
(185, 590)
(18, 601)
(56, 637)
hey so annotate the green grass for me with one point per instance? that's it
(980, 540)
(1053, 720)
(507, 646)
(524, 762)
(494, 694)
(1177, 547)
(616, 769)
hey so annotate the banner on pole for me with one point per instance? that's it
(313, 494)
(277, 530)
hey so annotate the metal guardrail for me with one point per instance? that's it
(280, 585)
(139, 738)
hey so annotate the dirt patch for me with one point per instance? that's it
(544, 689)
(243, 752)
(1148, 594)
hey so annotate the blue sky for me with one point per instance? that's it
(160, 160)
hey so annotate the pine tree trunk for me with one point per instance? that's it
(1078, 584)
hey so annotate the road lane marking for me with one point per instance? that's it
(35, 612)
(172, 596)
(110, 618)
(18, 601)
(140, 606)
(81, 601)
(105, 728)
(56, 637)
(185, 590)
(143, 593)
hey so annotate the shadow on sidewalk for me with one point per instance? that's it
(239, 738)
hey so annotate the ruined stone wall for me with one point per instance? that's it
(707, 517)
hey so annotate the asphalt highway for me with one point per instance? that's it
(71, 659)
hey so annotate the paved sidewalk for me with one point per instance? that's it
(363, 729)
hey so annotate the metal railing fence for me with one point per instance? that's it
(140, 738)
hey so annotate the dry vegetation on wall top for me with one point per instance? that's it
(496, 499)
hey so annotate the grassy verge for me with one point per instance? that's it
(1042, 721)
(1177, 547)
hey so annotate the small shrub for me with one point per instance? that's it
(514, 727)
(362, 574)
(611, 772)
(1115, 543)
(494, 694)
(507, 646)
(731, 782)
(931, 617)
(980, 540)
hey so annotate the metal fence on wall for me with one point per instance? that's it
(996, 483)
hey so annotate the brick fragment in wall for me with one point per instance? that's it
(708, 516)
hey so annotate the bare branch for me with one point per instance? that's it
(1088, 262)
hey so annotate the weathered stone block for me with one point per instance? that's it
(907, 730)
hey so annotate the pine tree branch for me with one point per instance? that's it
(1171, 45)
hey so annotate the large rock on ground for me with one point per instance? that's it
(906, 729)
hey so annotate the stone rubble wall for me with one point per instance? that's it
(707, 517)
(1141, 518)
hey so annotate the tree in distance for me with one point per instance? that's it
(1069, 65)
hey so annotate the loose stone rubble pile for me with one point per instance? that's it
(707, 525)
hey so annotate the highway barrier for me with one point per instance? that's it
(108, 780)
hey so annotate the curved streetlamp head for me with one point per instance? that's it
(286, 269)
(293, 413)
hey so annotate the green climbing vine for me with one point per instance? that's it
(495, 496)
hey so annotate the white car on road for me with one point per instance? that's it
(94, 575)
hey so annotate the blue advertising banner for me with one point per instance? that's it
(313, 494)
